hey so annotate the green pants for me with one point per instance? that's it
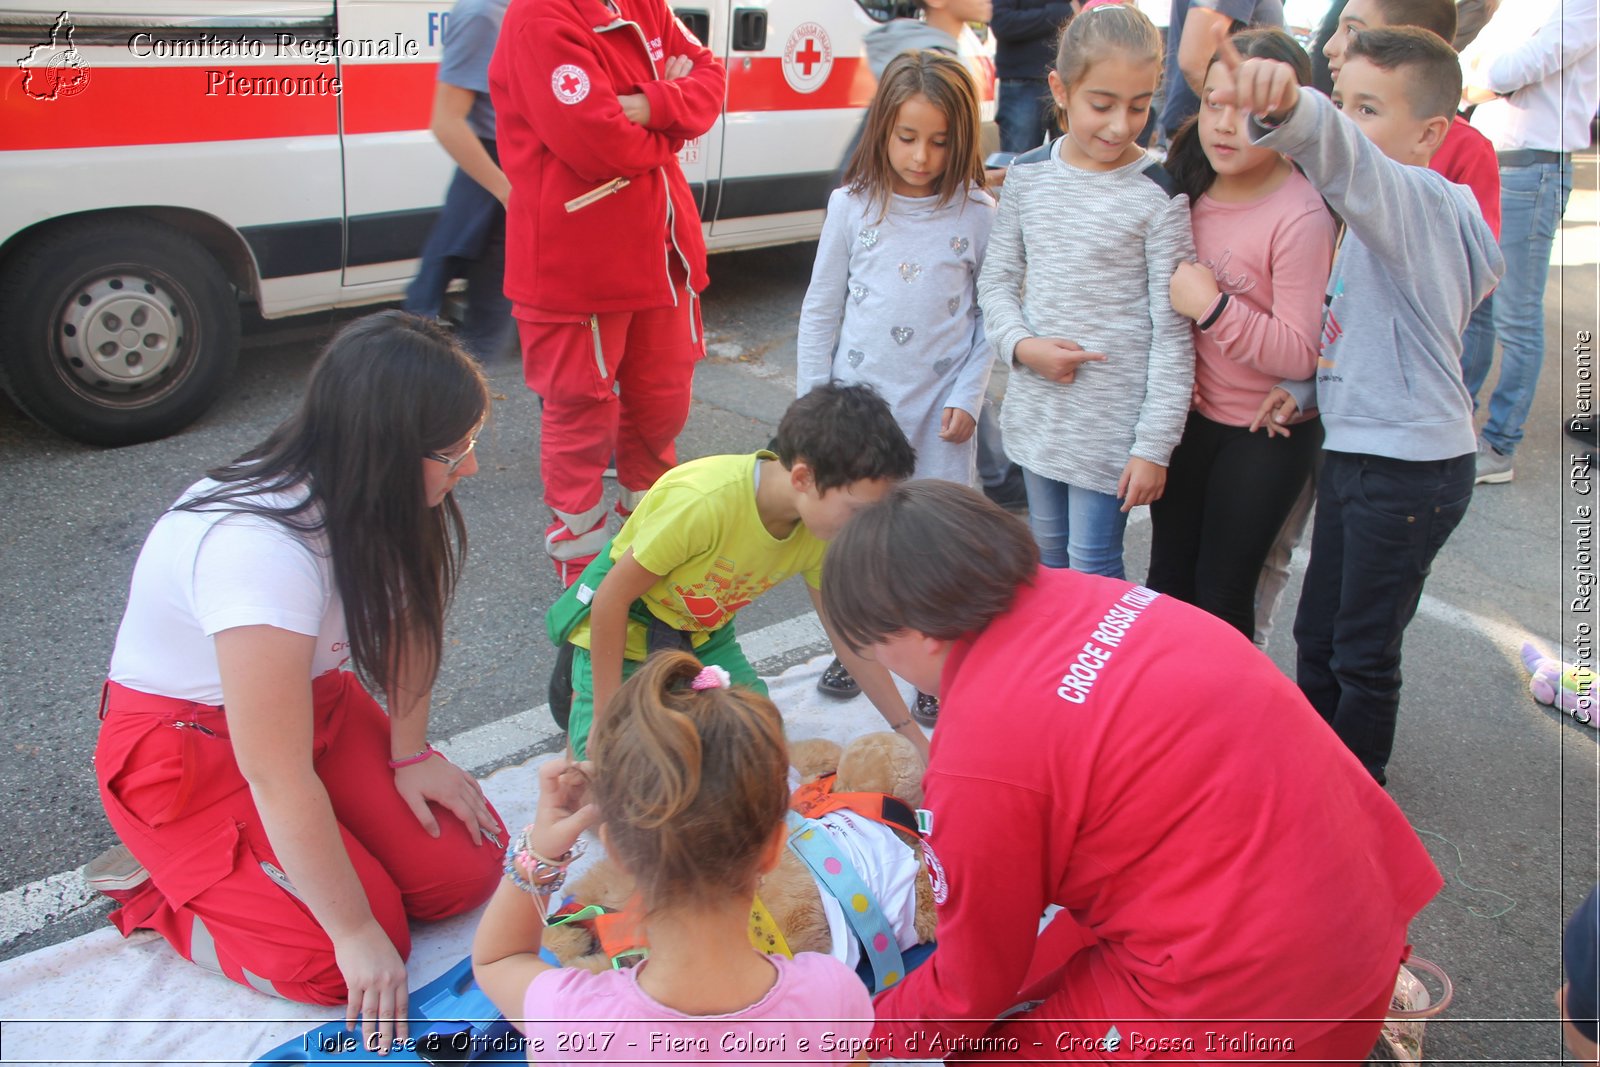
(721, 651)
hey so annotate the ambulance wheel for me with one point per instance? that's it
(118, 332)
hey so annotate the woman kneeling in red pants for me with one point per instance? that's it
(282, 827)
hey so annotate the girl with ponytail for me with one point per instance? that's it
(689, 787)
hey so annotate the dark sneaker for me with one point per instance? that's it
(1010, 494)
(1494, 467)
(926, 710)
(836, 682)
(560, 690)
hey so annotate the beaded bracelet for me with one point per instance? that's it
(549, 875)
(545, 881)
(525, 845)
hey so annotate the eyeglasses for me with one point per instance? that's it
(453, 463)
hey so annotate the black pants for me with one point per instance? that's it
(1228, 492)
(1379, 523)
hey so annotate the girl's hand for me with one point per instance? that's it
(676, 67)
(439, 780)
(1193, 290)
(564, 812)
(1142, 482)
(375, 975)
(1274, 413)
(956, 426)
(1054, 358)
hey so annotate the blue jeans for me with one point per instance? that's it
(1533, 197)
(1025, 113)
(993, 466)
(486, 324)
(1075, 527)
(1379, 523)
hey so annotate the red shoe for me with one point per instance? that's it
(117, 874)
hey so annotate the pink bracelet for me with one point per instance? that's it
(428, 751)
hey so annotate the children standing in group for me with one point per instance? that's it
(1265, 243)
(1074, 291)
(893, 298)
(1399, 453)
(690, 785)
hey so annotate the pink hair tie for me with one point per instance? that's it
(711, 677)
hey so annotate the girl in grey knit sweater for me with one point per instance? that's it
(1074, 291)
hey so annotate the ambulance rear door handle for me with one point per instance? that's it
(749, 29)
(696, 20)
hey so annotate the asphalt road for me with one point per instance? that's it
(1503, 791)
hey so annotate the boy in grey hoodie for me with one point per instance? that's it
(1399, 451)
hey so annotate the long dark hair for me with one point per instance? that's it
(1186, 157)
(389, 389)
(949, 88)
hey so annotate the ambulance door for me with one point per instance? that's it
(707, 20)
(797, 81)
(395, 173)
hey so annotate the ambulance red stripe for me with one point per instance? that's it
(171, 108)
(377, 98)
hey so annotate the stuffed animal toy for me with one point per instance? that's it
(1567, 688)
(895, 873)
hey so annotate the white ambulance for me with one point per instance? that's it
(166, 163)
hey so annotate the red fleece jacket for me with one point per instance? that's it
(555, 77)
(1467, 158)
(1143, 765)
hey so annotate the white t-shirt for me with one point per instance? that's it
(204, 572)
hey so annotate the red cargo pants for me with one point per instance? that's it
(174, 794)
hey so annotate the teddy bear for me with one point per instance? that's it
(878, 763)
(1566, 688)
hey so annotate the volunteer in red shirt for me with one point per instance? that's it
(604, 254)
(1233, 883)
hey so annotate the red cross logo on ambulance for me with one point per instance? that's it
(807, 57)
(570, 83)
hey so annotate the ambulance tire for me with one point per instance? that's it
(113, 333)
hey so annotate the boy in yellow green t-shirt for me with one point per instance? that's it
(713, 534)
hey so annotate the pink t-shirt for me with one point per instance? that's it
(817, 1011)
(1272, 257)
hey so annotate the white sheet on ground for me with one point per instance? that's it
(102, 999)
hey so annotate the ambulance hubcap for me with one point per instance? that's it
(121, 332)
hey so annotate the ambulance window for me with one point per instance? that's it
(884, 10)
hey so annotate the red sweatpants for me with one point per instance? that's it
(616, 383)
(173, 792)
(1061, 978)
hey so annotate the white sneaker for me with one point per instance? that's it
(1494, 468)
(116, 873)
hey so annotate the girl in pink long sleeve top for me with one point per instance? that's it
(1265, 241)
